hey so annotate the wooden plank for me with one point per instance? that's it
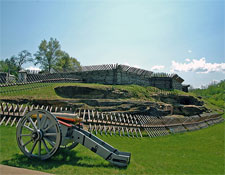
(97, 116)
(105, 129)
(89, 116)
(136, 132)
(111, 129)
(2, 120)
(90, 128)
(25, 110)
(2, 108)
(84, 115)
(31, 108)
(127, 132)
(13, 121)
(114, 130)
(16, 109)
(20, 110)
(139, 132)
(8, 121)
(9, 108)
(123, 131)
(93, 115)
(18, 122)
(96, 130)
(101, 129)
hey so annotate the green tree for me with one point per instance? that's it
(9, 65)
(67, 63)
(22, 58)
(48, 54)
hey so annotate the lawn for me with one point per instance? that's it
(198, 152)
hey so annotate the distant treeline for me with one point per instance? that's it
(48, 56)
(214, 93)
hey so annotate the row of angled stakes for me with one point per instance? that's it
(86, 114)
(123, 124)
(120, 130)
(36, 78)
(113, 130)
(89, 116)
(95, 129)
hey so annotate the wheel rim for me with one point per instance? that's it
(70, 146)
(38, 134)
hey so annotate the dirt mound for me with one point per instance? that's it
(89, 92)
(116, 100)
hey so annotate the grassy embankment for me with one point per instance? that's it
(46, 91)
(199, 152)
(213, 96)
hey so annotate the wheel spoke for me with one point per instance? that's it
(27, 143)
(38, 120)
(32, 149)
(50, 134)
(31, 121)
(46, 147)
(43, 120)
(48, 127)
(28, 127)
(39, 148)
(50, 142)
(38, 134)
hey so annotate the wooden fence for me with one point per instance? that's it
(115, 123)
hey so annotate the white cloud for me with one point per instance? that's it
(33, 68)
(188, 60)
(157, 67)
(198, 66)
(127, 64)
(189, 51)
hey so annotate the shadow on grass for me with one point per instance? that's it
(63, 157)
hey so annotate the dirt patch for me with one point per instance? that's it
(179, 99)
(114, 100)
(89, 93)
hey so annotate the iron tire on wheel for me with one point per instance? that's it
(70, 146)
(41, 138)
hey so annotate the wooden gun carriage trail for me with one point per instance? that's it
(107, 123)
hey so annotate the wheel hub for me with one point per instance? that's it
(37, 135)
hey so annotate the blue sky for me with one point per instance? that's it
(183, 37)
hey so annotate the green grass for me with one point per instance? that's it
(214, 94)
(198, 152)
(46, 90)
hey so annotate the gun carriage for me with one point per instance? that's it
(40, 134)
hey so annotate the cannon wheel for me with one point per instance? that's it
(38, 134)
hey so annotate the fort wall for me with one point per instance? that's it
(115, 74)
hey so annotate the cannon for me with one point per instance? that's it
(40, 134)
